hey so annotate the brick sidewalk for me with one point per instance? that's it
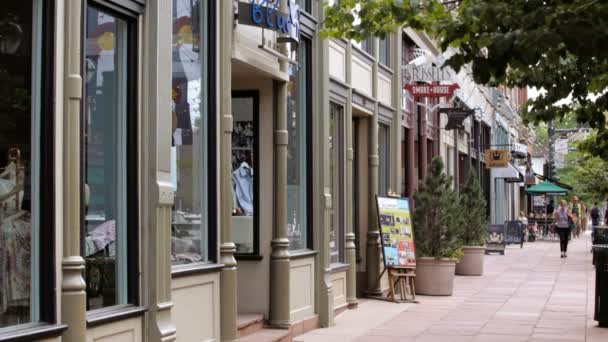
(529, 294)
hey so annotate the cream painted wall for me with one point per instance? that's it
(129, 330)
(253, 277)
(338, 280)
(385, 90)
(337, 63)
(247, 40)
(361, 75)
(196, 309)
(302, 288)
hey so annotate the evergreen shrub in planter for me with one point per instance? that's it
(472, 220)
(436, 232)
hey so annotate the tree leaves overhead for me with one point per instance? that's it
(560, 46)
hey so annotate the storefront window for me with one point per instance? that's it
(297, 151)
(384, 144)
(20, 162)
(336, 185)
(190, 133)
(244, 172)
(384, 53)
(109, 189)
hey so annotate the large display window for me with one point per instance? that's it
(245, 183)
(384, 144)
(26, 154)
(192, 135)
(336, 185)
(110, 209)
(298, 150)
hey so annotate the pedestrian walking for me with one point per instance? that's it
(577, 216)
(595, 215)
(562, 224)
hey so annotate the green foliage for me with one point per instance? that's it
(588, 175)
(560, 46)
(436, 233)
(472, 208)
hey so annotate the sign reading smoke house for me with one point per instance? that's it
(266, 14)
(435, 90)
(414, 74)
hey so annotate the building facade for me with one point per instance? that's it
(197, 170)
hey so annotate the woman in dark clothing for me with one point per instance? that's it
(563, 226)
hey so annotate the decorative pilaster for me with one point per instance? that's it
(350, 249)
(73, 295)
(228, 275)
(158, 195)
(373, 233)
(397, 92)
(321, 174)
(279, 257)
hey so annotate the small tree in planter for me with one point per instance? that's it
(473, 228)
(436, 234)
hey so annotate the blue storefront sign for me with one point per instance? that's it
(266, 14)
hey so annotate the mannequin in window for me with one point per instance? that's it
(242, 184)
(15, 239)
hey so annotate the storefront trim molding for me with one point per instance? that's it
(114, 314)
(302, 254)
(364, 101)
(385, 113)
(357, 52)
(338, 91)
(33, 332)
(308, 24)
(192, 269)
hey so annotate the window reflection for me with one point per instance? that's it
(20, 76)
(105, 159)
(190, 135)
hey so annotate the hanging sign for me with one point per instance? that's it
(397, 234)
(497, 158)
(266, 14)
(434, 90)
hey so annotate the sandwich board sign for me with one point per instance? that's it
(397, 233)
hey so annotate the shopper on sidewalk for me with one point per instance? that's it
(595, 215)
(562, 225)
(577, 216)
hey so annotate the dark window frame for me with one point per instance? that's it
(212, 157)
(255, 96)
(384, 172)
(385, 46)
(305, 39)
(132, 155)
(338, 203)
(47, 326)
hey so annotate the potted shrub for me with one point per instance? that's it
(436, 236)
(472, 230)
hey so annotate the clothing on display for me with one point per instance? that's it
(243, 194)
(15, 240)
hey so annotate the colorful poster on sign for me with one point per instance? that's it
(397, 233)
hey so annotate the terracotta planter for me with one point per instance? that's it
(471, 263)
(435, 277)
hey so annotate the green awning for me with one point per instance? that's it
(546, 188)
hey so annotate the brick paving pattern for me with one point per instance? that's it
(529, 294)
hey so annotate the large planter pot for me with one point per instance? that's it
(435, 277)
(471, 263)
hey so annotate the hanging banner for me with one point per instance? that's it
(497, 158)
(431, 90)
(397, 234)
